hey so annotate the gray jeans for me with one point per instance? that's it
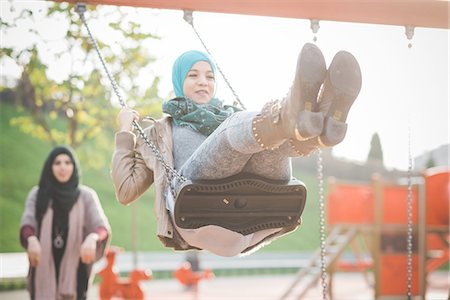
(232, 149)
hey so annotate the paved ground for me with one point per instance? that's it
(15, 265)
(348, 286)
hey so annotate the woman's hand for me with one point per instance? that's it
(126, 117)
(88, 248)
(34, 250)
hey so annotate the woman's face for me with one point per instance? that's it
(199, 83)
(62, 168)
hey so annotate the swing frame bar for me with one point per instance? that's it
(416, 13)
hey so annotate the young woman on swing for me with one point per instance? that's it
(205, 140)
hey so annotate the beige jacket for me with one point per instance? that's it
(135, 168)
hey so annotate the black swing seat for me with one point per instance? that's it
(243, 203)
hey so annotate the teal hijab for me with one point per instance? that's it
(183, 64)
(203, 118)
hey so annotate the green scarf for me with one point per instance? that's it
(203, 118)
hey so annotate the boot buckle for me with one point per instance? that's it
(274, 111)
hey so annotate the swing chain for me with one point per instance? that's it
(322, 225)
(170, 172)
(409, 32)
(188, 17)
(409, 244)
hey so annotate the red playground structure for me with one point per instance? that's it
(370, 220)
(114, 287)
(187, 277)
(377, 212)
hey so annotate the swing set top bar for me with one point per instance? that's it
(417, 13)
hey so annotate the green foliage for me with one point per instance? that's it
(375, 152)
(76, 109)
(430, 162)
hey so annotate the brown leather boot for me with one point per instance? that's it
(339, 91)
(296, 116)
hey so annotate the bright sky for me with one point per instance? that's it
(404, 89)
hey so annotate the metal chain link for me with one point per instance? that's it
(188, 17)
(322, 225)
(323, 250)
(409, 32)
(409, 244)
(81, 9)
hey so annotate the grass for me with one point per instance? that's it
(21, 161)
(20, 166)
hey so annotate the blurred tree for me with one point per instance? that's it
(430, 162)
(81, 106)
(375, 152)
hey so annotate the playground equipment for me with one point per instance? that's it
(187, 277)
(239, 203)
(437, 183)
(375, 214)
(114, 287)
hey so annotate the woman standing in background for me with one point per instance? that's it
(64, 230)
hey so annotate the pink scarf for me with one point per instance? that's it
(45, 283)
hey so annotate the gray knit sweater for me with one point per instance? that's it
(185, 142)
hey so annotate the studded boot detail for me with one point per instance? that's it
(305, 148)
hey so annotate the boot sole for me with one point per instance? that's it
(311, 71)
(345, 80)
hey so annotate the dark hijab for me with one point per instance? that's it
(64, 195)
